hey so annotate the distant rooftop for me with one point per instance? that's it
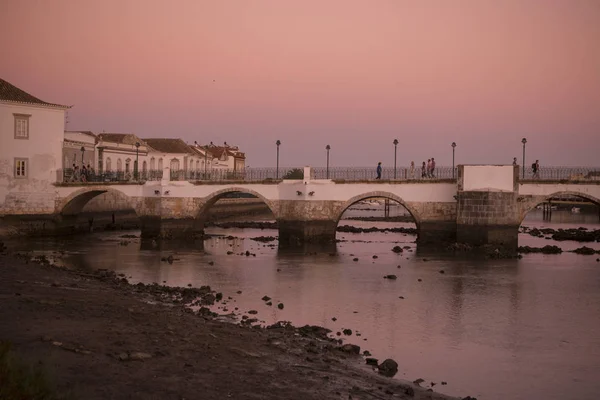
(11, 93)
(167, 145)
(122, 138)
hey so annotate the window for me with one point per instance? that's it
(152, 164)
(174, 164)
(22, 126)
(108, 164)
(119, 165)
(127, 162)
(21, 167)
(144, 167)
(160, 164)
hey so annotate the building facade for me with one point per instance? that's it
(121, 155)
(31, 149)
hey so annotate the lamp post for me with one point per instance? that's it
(82, 152)
(328, 147)
(524, 140)
(205, 160)
(395, 153)
(453, 146)
(278, 143)
(135, 167)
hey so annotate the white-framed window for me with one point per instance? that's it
(144, 166)
(108, 164)
(174, 164)
(22, 126)
(152, 164)
(21, 167)
(119, 165)
(160, 164)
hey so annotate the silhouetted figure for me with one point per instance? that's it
(423, 170)
(378, 170)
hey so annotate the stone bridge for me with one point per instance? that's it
(484, 205)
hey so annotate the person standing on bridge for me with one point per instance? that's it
(515, 161)
(378, 170)
(412, 170)
(432, 171)
(423, 170)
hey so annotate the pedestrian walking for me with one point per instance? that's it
(432, 167)
(429, 168)
(515, 161)
(535, 168)
(423, 170)
(378, 170)
(412, 170)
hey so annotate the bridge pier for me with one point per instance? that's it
(488, 216)
(295, 232)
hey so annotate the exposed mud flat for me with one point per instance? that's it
(101, 337)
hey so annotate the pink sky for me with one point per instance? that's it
(351, 74)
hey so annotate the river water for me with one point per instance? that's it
(496, 329)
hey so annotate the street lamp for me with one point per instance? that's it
(137, 154)
(205, 160)
(523, 141)
(328, 147)
(82, 152)
(278, 143)
(453, 146)
(395, 152)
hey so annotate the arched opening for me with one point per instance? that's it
(563, 220)
(377, 217)
(160, 164)
(99, 209)
(108, 164)
(243, 217)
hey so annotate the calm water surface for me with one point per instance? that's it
(494, 329)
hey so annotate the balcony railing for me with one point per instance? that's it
(348, 174)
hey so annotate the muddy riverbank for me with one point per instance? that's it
(99, 337)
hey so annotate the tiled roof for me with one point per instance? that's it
(9, 92)
(89, 133)
(122, 138)
(219, 150)
(202, 151)
(170, 146)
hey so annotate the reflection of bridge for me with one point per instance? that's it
(485, 204)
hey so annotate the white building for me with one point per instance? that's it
(183, 161)
(31, 148)
(228, 158)
(79, 148)
(117, 154)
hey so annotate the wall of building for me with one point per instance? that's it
(35, 193)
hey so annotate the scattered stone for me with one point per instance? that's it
(442, 271)
(390, 277)
(266, 298)
(367, 353)
(334, 319)
(372, 361)
(211, 263)
(375, 256)
(355, 259)
(544, 250)
(253, 312)
(397, 249)
(280, 306)
(347, 332)
(584, 250)
(418, 381)
(419, 280)
(350, 348)
(444, 383)
(388, 367)
(401, 297)
(139, 356)
(269, 303)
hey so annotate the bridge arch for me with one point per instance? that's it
(211, 199)
(373, 194)
(535, 200)
(74, 203)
